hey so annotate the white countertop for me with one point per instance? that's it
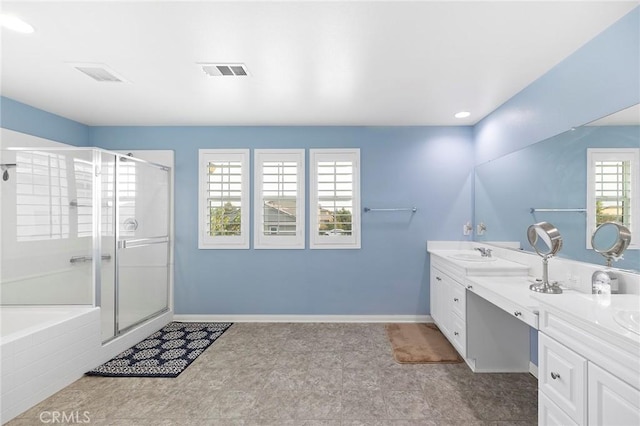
(514, 289)
(595, 312)
(504, 282)
(495, 267)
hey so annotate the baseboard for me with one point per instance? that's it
(533, 369)
(303, 318)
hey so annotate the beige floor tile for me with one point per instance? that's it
(406, 405)
(285, 374)
(275, 405)
(360, 378)
(365, 405)
(319, 405)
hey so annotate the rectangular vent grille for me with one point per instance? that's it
(99, 72)
(221, 70)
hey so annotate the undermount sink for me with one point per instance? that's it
(471, 257)
(629, 319)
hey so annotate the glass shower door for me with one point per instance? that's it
(143, 241)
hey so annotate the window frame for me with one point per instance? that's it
(206, 241)
(317, 241)
(260, 240)
(614, 154)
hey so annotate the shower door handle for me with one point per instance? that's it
(80, 259)
(139, 242)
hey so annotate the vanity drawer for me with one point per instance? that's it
(459, 335)
(458, 299)
(562, 376)
(620, 359)
(550, 415)
(519, 312)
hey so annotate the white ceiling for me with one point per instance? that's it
(627, 117)
(311, 63)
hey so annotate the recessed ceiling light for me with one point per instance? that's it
(462, 114)
(16, 24)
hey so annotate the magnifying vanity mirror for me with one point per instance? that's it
(546, 241)
(610, 239)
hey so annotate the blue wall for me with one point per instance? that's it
(427, 167)
(23, 118)
(600, 78)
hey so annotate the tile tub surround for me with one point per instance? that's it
(47, 354)
(301, 374)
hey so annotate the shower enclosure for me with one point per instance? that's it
(85, 226)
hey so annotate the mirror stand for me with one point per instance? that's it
(545, 286)
(546, 241)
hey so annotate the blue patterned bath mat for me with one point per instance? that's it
(166, 353)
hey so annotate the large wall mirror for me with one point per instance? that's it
(551, 178)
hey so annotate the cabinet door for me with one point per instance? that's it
(439, 307)
(611, 401)
(562, 377)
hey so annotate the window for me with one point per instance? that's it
(279, 199)
(613, 193)
(224, 199)
(335, 198)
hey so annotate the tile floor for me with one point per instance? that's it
(300, 374)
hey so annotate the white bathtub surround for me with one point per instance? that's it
(48, 272)
(45, 349)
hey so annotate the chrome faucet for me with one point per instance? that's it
(484, 252)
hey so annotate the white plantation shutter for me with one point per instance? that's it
(335, 198)
(279, 215)
(613, 193)
(224, 199)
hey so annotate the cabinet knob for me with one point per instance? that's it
(470, 287)
(455, 299)
(517, 313)
(555, 376)
(438, 278)
(455, 333)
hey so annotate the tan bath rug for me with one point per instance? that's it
(420, 344)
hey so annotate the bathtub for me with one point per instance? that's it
(42, 350)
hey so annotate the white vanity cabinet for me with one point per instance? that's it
(562, 378)
(488, 337)
(589, 368)
(448, 297)
(611, 401)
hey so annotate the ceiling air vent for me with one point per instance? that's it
(99, 72)
(220, 70)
